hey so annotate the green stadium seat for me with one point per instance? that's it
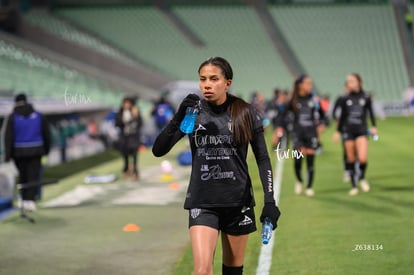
(332, 41)
(23, 71)
(234, 32)
(64, 30)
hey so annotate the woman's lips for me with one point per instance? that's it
(208, 94)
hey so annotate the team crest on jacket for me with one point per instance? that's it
(362, 102)
(230, 125)
(349, 102)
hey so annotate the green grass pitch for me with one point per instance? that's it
(318, 235)
(315, 235)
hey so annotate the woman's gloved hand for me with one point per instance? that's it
(190, 100)
(271, 211)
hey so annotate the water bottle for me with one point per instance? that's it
(315, 100)
(187, 124)
(267, 231)
(374, 137)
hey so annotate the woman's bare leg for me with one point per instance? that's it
(234, 248)
(362, 149)
(203, 242)
(350, 149)
(362, 154)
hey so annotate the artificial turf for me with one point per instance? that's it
(89, 238)
(315, 235)
(318, 235)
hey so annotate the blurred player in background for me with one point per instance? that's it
(163, 112)
(129, 121)
(275, 110)
(355, 108)
(306, 118)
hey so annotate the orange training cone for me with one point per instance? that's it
(174, 186)
(131, 228)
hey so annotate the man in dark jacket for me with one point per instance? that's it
(27, 139)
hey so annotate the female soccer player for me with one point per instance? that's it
(306, 118)
(275, 111)
(353, 124)
(220, 193)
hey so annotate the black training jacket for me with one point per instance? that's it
(219, 176)
(355, 108)
(306, 116)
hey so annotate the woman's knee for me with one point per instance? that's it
(203, 269)
(362, 159)
(350, 158)
(362, 149)
(350, 151)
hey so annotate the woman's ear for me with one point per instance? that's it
(228, 83)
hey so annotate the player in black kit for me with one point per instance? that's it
(274, 111)
(220, 193)
(353, 125)
(306, 117)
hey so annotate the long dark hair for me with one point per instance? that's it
(359, 78)
(295, 93)
(241, 119)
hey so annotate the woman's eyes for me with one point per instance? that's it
(212, 79)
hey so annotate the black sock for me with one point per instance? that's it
(232, 270)
(134, 162)
(344, 159)
(362, 168)
(298, 168)
(126, 168)
(350, 167)
(310, 159)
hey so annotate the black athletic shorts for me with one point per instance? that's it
(307, 141)
(231, 220)
(353, 135)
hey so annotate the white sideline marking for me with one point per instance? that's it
(151, 195)
(76, 196)
(265, 257)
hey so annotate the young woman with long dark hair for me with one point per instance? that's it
(354, 128)
(220, 194)
(306, 117)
